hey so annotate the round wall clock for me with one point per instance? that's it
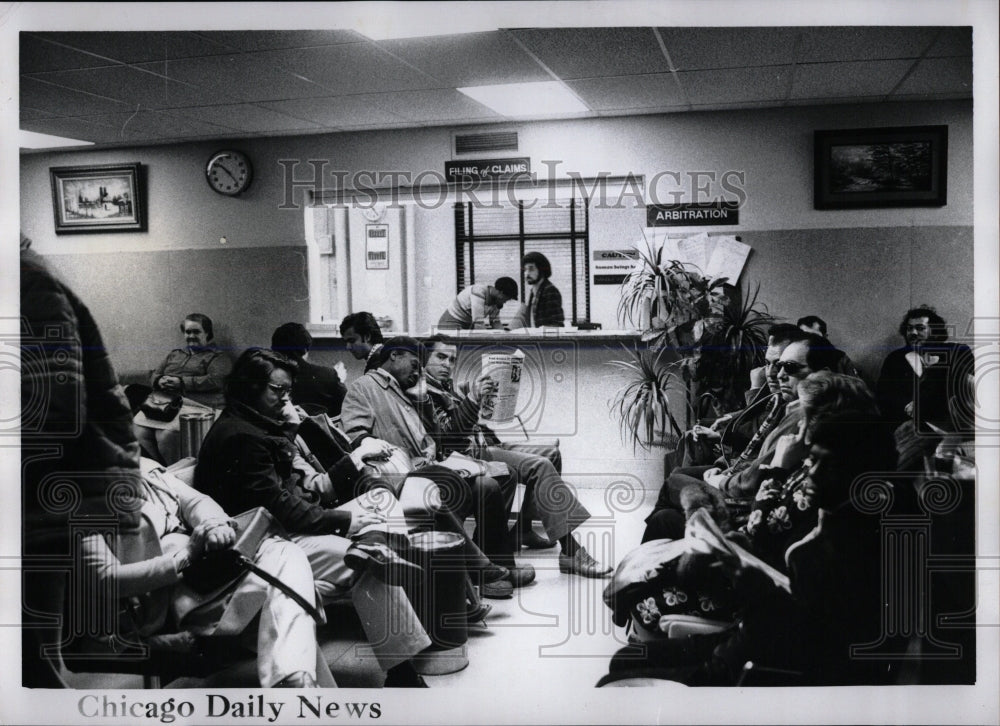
(229, 172)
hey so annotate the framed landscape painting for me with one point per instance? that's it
(887, 167)
(98, 198)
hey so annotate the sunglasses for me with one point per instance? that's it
(791, 367)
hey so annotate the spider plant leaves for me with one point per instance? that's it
(642, 405)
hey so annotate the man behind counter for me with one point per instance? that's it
(544, 306)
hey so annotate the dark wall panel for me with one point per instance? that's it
(139, 299)
(862, 280)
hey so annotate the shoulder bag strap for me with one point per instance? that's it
(271, 579)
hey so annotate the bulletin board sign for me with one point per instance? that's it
(377, 246)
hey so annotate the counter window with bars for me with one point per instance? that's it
(490, 242)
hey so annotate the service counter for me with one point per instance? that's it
(567, 386)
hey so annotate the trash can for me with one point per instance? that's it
(439, 601)
(194, 426)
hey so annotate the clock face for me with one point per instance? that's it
(229, 172)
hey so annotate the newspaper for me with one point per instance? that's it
(500, 405)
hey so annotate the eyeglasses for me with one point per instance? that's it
(280, 390)
(791, 367)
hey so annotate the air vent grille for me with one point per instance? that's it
(493, 141)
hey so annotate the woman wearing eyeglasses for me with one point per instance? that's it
(197, 372)
(249, 459)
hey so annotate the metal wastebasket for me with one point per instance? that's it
(194, 426)
(440, 601)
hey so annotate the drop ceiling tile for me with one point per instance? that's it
(596, 52)
(63, 101)
(939, 75)
(121, 83)
(924, 97)
(334, 112)
(37, 55)
(378, 125)
(152, 125)
(735, 85)
(629, 92)
(349, 68)
(863, 43)
(139, 46)
(239, 76)
(818, 80)
(645, 111)
(833, 100)
(736, 106)
(30, 114)
(245, 117)
(472, 59)
(277, 39)
(952, 41)
(708, 48)
(432, 105)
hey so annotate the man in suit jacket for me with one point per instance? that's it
(741, 479)
(544, 306)
(314, 385)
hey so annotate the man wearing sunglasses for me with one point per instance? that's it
(800, 358)
(738, 479)
(731, 433)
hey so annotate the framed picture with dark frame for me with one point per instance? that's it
(888, 167)
(104, 198)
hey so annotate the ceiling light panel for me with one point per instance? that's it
(524, 100)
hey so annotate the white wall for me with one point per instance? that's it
(772, 146)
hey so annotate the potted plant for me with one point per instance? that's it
(677, 309)
(674, 305)
(701, 339)
(642, 405)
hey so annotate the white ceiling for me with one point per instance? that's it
(127, 88)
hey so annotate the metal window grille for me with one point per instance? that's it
(489, 243)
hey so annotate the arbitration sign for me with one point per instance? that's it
(486, 169)
(704, 214)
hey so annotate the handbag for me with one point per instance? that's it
(215, 572)
(161, 406)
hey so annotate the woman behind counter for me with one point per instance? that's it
(197, 373)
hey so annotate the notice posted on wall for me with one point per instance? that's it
(715, 255)
(500, 405)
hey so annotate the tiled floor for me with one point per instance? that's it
(556, 630)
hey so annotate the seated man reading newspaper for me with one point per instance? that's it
(456, 421)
